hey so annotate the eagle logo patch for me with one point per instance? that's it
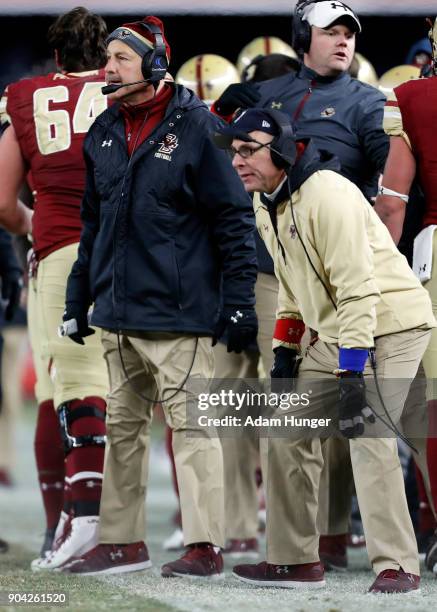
(328, 112)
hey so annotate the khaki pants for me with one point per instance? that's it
(44, 384)
(14, 346)
(241, 455)
(336, 482)
(294, 466)
(157, 364)
(76, 371)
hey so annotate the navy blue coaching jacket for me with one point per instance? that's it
(340, 115)
(164, 230)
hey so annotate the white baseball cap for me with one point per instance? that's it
(323, 14)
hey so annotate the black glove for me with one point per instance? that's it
(12, 284)
(353, 408)
(286, 363)
(237, 95)
(76, 325)
(285, 366)
(241, 326)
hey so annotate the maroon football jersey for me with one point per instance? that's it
(51, 115)
(417, 100)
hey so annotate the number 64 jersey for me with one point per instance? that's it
(51, 115)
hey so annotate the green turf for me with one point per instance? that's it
(85, 594)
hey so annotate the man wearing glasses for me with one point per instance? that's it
(331, 252)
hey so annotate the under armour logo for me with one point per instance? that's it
(90, 484)
(45, 486)
(334, 5)
(238, 315)
(106, 143)
(422, 268)
(276, 105)
(282, 569)
(114, 555)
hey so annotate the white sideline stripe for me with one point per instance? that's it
(85, 476)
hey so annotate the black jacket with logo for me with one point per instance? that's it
(340, 114)
(164, 230)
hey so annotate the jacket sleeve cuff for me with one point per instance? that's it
(352, 359)
(288, 333)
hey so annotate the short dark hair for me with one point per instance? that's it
(79, 37)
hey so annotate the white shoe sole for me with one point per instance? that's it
(282, 584)
(194, 577)
(414, 592)
(119, 569)
(35, 565)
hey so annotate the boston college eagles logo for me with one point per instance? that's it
(167, 146)
(124, 33)
(328, 112)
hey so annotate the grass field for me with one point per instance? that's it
(21, 521)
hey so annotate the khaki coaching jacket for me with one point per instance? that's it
(374, 289)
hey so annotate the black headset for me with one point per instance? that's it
(154, 64)
(301, 33)
(283, 146)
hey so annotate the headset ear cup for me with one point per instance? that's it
(154, 64)
(306, 36)
(301, 35)
(278, 161)
(301, 29)
(145, 66)
(285, 156)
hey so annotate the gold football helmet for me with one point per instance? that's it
(263, 45)
(208, 76)
(365, 71)
(396, 76)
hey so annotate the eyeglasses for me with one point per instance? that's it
(245, 151)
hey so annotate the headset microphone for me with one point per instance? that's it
(109, 89)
